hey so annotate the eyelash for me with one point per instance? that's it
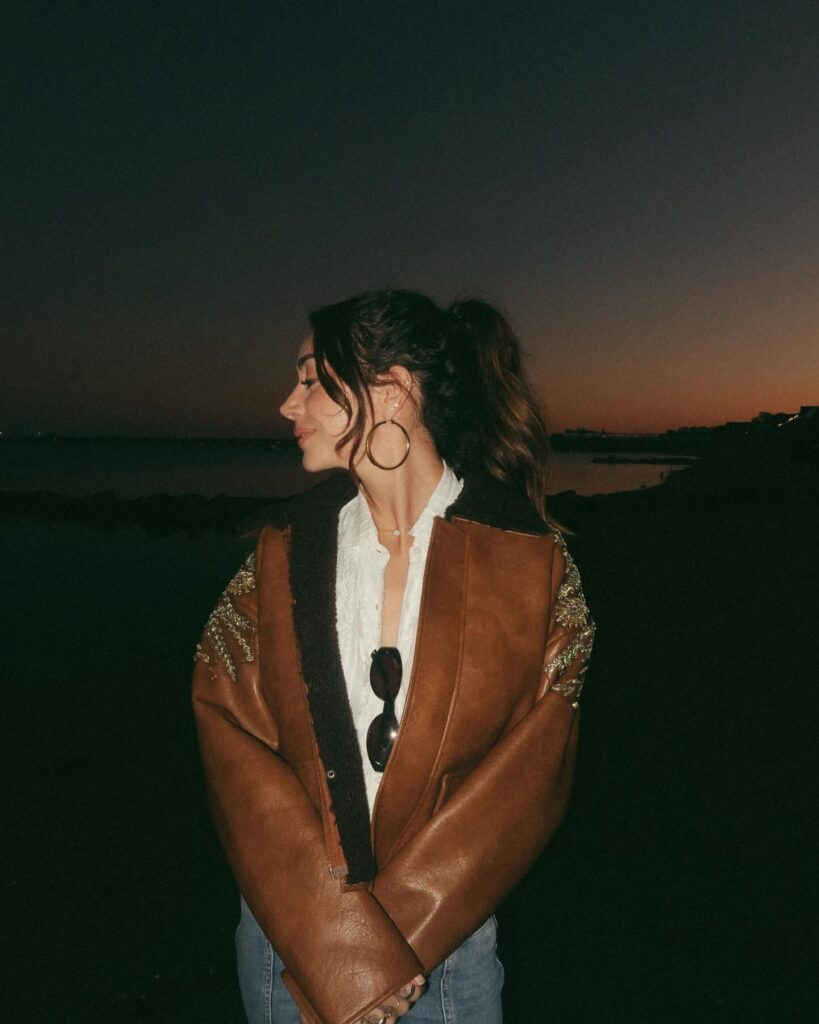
(307, 382)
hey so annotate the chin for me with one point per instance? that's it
(315, 463)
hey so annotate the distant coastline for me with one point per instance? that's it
(666, 460)
(692, 441)
(683, 441)
(277, 443)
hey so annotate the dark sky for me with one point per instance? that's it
(636, 183)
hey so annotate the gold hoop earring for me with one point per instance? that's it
(369, 441)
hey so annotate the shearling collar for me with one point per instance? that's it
(482, 500)
(312, 521)
(488, 501)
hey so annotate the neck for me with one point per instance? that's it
(398, 497)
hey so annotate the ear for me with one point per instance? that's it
(395, 389)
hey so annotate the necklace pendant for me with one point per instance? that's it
(396, 533)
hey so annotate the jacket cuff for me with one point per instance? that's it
(310, 1014)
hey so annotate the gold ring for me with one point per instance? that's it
(409, 994)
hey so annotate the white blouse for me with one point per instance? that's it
(360, 567)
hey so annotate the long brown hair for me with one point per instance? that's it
(475, 400)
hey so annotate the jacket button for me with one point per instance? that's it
(331, 773)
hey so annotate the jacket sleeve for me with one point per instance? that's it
(456, 870)
(343, 953)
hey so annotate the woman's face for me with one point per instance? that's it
(318, 422)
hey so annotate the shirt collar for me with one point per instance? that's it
(446, 491)
(356, 522)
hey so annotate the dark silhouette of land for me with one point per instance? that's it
(681, 885)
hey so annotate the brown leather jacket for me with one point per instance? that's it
(478, 778)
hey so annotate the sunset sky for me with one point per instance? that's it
(637, 184)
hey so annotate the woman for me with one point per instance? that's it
(386, 694)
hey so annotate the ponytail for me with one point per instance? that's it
(512, 434)
(475, 400)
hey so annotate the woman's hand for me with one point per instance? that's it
(394, 1006)
(398, 1003)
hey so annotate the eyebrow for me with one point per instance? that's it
(303, 359)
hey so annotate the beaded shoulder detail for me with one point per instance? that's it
(226, 621)
(572, 613)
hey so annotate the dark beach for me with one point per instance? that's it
(679, 888)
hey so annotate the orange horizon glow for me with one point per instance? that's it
(648, 421)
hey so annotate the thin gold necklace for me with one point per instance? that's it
(383, 529)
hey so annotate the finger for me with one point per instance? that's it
(415, 989)
(398, 1003)
(390, 1011)
(395, 1006)
(378, 1016)
(391, 1008)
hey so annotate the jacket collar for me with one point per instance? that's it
(486, 500)
(483, 500)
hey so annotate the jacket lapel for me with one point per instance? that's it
(314, 545)
(404, 796)
(432, 687)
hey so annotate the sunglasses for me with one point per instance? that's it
(385, 679)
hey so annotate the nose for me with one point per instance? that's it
(289, 406)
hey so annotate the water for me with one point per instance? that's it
(137, 468)
(575, 471)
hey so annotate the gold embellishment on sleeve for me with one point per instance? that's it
(570, 607)
(570, 689)
(572, 613)
(578, 648)
(225, 619)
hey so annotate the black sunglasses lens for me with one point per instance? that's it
(385, 679)
(380, 738)
(385, 672)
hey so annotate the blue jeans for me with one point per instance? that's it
(464, 989)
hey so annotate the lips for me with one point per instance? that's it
(303, 435)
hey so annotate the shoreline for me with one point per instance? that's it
(670, 460)
(749, 468)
